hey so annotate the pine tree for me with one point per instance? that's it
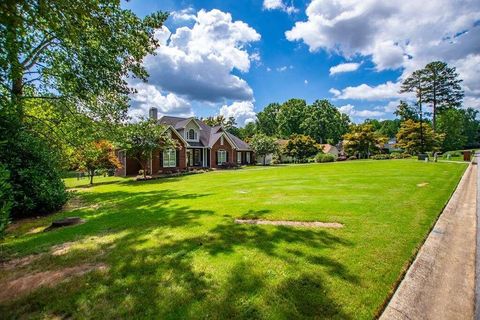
(442, 88)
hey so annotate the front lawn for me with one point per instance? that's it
(174, 251)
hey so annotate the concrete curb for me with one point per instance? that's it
(476, 161)
(440, 283)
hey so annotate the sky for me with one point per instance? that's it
(234, 57)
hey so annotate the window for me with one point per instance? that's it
(221, 140)
(248, 157)
(169, 158)
(191, 134)
(239, 157)
(221, 156)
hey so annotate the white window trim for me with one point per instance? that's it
(169, 158)
(239, 157)
(248, 157)
(224, 156)
(221, 141)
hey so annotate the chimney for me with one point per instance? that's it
(153, 113)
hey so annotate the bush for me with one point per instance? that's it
(36, 185)
(380, 157)
(325, 157)
(452, 154)
(352, 158)
(400, 156)
(5, 199)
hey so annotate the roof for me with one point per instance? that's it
(327, 147)
(208, 135)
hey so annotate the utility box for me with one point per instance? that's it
(467, 156)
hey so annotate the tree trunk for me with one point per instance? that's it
(265, 160)
(91, 172)
(13, 57)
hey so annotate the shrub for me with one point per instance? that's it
(380, 157)
(400, 155)
(452, 154)
(325, 157)
(5, 198)
(37, 187)
(352, 158)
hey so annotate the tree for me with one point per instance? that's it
(406, 112)
(267, 120)
(416, 83)
(263, 145)
(73, 50)
(362, 140)
(5, 198)
(290, 117)
(410, 140)
(247, 132)
(324, 122)
(301, 147)
(389, 128)
(96, 155)
(140, 139)
(472, 127)
(451, 123)
(442, 88)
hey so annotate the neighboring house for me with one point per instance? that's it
(391, 145)
(269, 157)
(200, 146)
(328, 148)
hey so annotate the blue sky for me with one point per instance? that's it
(235, 57)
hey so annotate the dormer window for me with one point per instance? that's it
(192, 135)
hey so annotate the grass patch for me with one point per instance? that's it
(174, 251)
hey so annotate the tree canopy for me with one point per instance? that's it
(409, 139)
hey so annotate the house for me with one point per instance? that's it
(328, 148)
(199, 146)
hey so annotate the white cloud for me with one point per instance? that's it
(279, 5)
(148, 96)
(242, 111)
(403, 34)
(305, 81)
(281, 69)
(269, 69)
(184, 15)
(344, 67)
(385, 91)
(197, 62)
(351, 111)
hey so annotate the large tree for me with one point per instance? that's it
(323, 122)
(81, 51)
(263, 145)
(412, 140)
(290, 117)
(472, 127)
(442, 88)
(267, 120)
(362, 140)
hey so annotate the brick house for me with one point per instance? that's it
(200, 146)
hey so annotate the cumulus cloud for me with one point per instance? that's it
(148, 96)
(344, 67)
(184, 15)
(388, 90)
(242, 111)
(406, 34)
(351, 111)
(279, 5)
(197, 62)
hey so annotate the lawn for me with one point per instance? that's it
(174, 251)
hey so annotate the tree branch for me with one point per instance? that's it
(35, 54)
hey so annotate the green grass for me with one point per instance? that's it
(174, 251)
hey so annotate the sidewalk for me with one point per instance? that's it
(440, 284)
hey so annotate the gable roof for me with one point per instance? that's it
(208, 135)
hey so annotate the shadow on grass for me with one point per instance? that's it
(154, 274)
